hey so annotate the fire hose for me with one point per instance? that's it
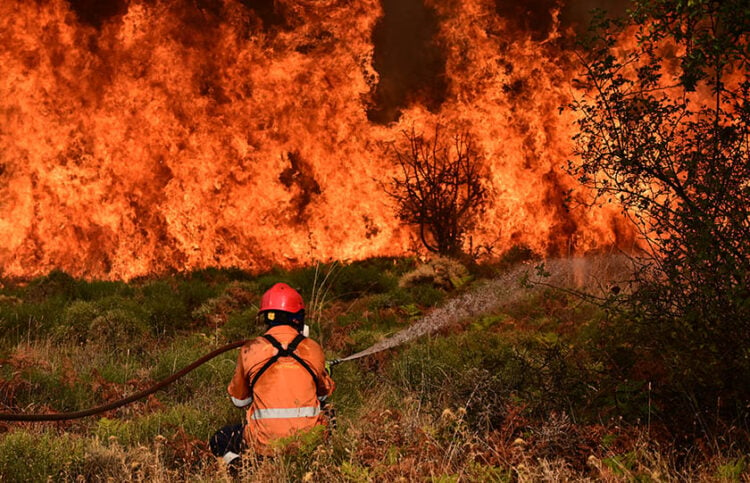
(146, 392)
(116, 404)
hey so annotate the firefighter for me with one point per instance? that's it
(280, 378)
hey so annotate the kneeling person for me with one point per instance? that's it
(280, 377)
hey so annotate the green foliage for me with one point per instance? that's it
(354, 280)
(118, 369)
(664, 133)
(463, 396)
(355, 472)
(426, 295)
(621, 465)
(61, 389)
(113, 322)
(302, 444)
(193, 291)
(29, 457)
(109, 312)
(215, 373)
(732, 470)
(30, 320)
(340, 281)
(480, 472)
(55, 284)
(351, 384)
(166, 309)
(144, 429)
(77, 319)
(242, 325)
(483, 371)
(214, 276)
(119, 330)
(98, 289)
(484, 323)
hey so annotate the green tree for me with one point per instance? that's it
(663, 130)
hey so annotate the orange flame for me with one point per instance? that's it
(169, 137)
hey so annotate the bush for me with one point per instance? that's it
(338, 281)
(55, 284)
(98, 289)
(27, 457)
(119, 331)
(145, 429)
(475, 372)
(441, 272)
(114, 322)
(483, 371)
(232, 311)
(63, 389)
(358, 279)
(76, 322)
(193, 292)
(214, 374)
(241, 325)
(167, 312)
(663, 132)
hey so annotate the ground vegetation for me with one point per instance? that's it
(529, 390)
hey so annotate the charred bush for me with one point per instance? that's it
(441, 188)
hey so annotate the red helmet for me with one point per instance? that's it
(282, 297)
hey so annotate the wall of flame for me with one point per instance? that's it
(176, 134)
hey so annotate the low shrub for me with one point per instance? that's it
(61, 389)
(194, 292)
(30, 320)
(168, 423)
(31, 457)
(441, 272)
(56, 284)
(167, 311)
(77, 318)
(241, 325)
(120, 331)
(483, 371)
(98, 289)
(214, 374)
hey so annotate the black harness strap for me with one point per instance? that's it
(282, 352)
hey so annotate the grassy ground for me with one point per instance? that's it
(527, 389)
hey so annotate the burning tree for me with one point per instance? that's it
(440, 188)
(666, 132)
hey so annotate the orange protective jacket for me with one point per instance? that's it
(284, 400)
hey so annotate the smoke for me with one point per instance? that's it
(578, 14)
(96, 12)
(267, 11)
(298, 177)
(410, 63)
(532, 16)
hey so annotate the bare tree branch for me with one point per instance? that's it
(442, 188)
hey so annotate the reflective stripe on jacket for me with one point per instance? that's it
(285, 397)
